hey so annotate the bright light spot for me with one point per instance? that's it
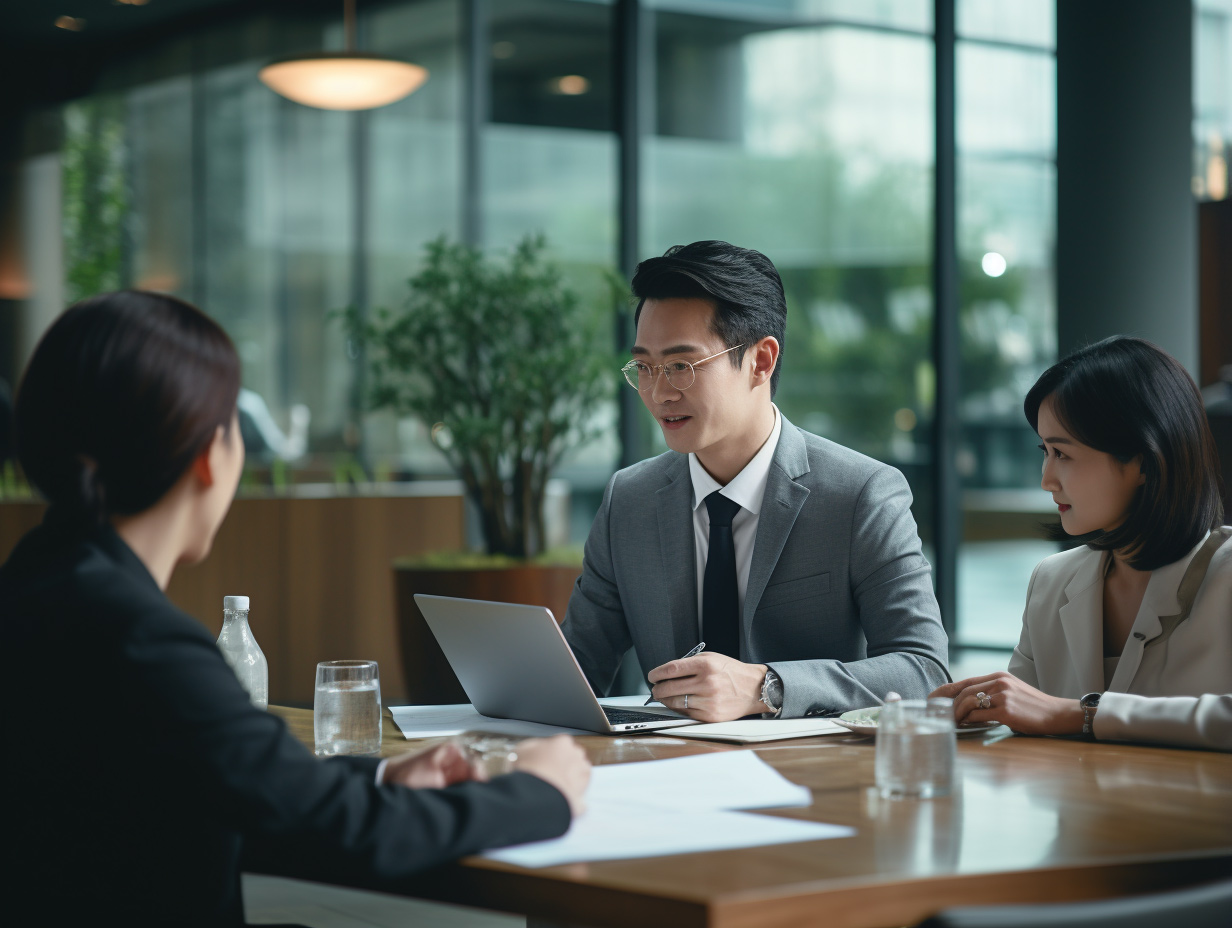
(571, 85)
(993, 264)
(71, 23)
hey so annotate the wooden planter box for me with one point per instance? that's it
(429, 680)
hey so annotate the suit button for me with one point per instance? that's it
(1139, 635)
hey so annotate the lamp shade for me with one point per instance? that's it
(343, 80)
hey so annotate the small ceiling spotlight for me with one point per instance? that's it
(571, 85)
(71, 23)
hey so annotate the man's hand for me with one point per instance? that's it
(1014, 703)
(720, 688)
(561, 762)
(434, 768)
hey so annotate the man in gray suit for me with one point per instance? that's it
(795, 559)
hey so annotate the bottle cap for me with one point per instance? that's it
(235, 603)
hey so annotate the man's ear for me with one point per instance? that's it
(202, 465)
(765, 357)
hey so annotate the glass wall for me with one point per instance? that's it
(781, 128)
(1006, 146)
(802, 128)
(1212, 62)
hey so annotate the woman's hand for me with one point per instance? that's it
(561, 762)
(434, 768)
(1014, 703)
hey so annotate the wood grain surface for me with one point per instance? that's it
(1032, 820)
(319, 573)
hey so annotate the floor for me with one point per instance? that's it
(274, 900)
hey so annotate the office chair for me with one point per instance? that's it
(1207, 906)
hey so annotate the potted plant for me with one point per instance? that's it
(506, 368)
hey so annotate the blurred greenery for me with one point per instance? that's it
(95, 195)
(504, 365)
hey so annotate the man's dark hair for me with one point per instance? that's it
(122, 393)
(743, 285)
(1127, 397)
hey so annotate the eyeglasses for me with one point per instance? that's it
(680, 374)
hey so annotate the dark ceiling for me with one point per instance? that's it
(31, 24)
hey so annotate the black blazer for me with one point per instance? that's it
(142, 815)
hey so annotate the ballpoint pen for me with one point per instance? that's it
(693, 652)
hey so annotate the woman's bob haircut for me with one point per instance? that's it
(122, 393)
(1128, 398)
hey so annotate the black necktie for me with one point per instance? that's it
(720, 595)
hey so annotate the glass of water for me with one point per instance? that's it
(347, 708)
(916, 747)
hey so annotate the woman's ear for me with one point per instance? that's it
(1137, 462)
(203, 464)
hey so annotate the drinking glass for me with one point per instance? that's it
(916, 747)
(493, 755)
(347, 708)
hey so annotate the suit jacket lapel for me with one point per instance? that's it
(1083, 622)
(781, 505)
(674, 506)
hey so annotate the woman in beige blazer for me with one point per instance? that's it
(1128, 637)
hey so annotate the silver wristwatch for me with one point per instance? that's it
(1090, 704)
(772, 693)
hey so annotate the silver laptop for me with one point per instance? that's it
(514, 663)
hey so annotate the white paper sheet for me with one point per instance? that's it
(756, 731)
(619, 832)
(679, 806)
(448, 721)
(727, 780)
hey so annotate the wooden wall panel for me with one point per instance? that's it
(318, 572)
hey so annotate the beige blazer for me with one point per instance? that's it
(1177, 690)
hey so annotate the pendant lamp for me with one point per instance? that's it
(349, 80)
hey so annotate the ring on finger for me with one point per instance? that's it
(983, 700)
(686, 700)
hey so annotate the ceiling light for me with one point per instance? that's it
(571, 85)
(71, 23)
(349, 80)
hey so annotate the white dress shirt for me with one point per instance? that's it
(746, 489)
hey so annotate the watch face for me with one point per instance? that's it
(1090, 700)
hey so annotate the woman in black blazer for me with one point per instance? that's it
(126, 423)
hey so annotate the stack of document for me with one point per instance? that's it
(448, 721)
(679, 806)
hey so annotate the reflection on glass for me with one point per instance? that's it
(1029, 22)
(160, 176)
(813, 145)
(1212, 81)
(413, 194)
(1006, 232)
(549, 165)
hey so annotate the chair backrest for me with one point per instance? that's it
(1208, 906)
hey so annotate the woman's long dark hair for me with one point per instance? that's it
(122, 393)
(1127, 397)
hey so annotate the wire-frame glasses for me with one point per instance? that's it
(680, 373)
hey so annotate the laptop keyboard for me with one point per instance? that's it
(625, 716)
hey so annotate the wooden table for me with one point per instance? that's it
(1034, 819)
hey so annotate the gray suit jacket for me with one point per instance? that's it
(839, 599)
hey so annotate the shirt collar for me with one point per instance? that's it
(748, 487)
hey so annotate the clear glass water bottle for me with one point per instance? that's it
(242, 651)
